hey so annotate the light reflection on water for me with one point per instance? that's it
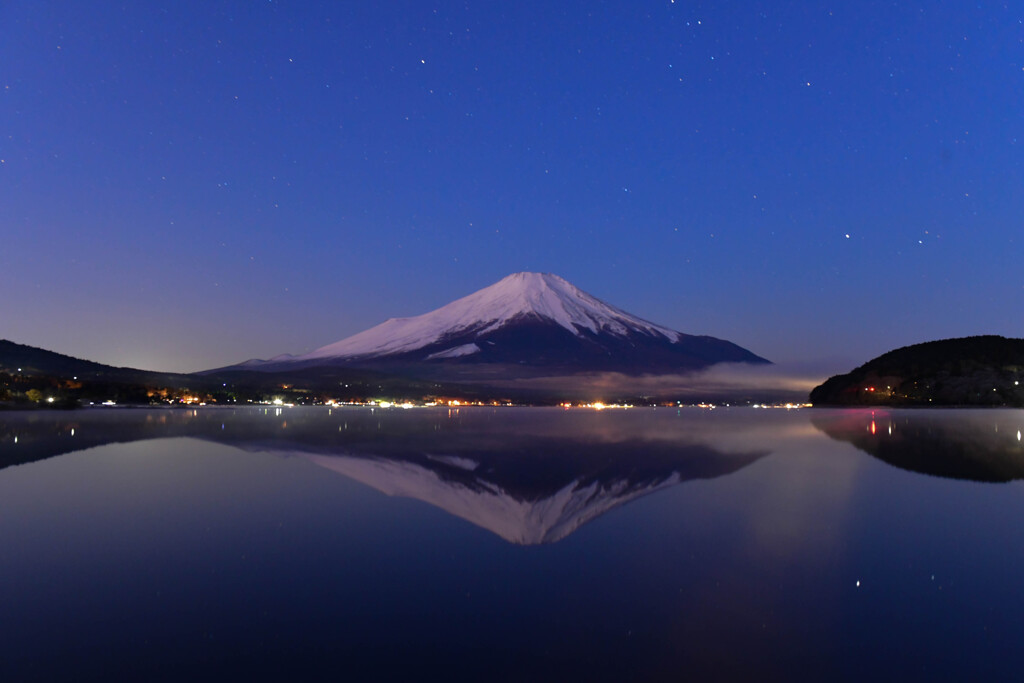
(524, 543)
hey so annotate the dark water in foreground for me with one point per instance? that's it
(511, 545)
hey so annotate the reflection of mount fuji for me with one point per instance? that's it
(977, 445)
(543, 496)
(529, 476)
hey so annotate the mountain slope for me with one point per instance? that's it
(526, 320)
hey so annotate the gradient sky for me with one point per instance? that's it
(185, 185)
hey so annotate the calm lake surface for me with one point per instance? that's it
(512, 544)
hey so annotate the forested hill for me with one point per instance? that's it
(969, 371)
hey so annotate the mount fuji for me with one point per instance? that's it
(525, 323)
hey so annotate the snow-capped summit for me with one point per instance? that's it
(524, 320)
(520, 295)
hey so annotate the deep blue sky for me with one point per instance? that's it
(189, 184)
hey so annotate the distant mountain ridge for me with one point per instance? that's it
(71, 380)
(30, 360)
(526, 320)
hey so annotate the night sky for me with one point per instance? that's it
(185, 185)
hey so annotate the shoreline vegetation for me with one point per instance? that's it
(981, 371)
